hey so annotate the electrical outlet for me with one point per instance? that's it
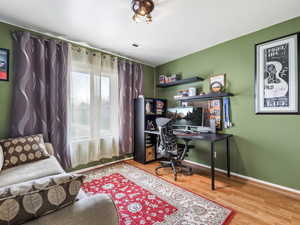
(215, 155)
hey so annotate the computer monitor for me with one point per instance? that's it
(186, 116)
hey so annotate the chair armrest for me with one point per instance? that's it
(96, 210)
(49, 148)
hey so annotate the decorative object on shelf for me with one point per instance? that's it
(277, 76)
(174, 77)
(150, 125)
(183, 92)
(167, 79)
(4, 64)
(192, 91)
(142, 10)
(226, 113)
(148, 108)
(214, 108)
(217, 83)
(159, 107)
(162, 79)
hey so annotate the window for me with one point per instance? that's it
(105, 120)
(92, 88)
(80, 105)
(93, 106)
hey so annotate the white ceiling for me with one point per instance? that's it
(179, 27)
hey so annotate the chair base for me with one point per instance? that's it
(175, 165)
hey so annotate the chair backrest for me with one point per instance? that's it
(167, 140)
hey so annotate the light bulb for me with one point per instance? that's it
(137, 18)
(149, 18)
(142, 11)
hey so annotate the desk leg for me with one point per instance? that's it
(228, 156)
(212, 164)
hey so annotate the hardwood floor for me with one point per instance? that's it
(253, 204)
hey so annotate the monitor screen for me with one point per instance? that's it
(186, 116)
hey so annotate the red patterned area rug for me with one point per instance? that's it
(143, 198)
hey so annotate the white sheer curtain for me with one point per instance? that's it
(93, 106)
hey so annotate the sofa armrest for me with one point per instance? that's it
(49, 148)
(96, 210)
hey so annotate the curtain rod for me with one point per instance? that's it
(75, 42)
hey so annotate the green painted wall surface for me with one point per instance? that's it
(6, 87)
(266, 147)
(149, 79)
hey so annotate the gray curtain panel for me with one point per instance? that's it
(131, 85)
(40, 91)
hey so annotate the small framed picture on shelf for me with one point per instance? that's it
(277, 76)
(217, 83)
(4, 64)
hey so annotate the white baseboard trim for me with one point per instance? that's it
(99, 166)
(248, 178)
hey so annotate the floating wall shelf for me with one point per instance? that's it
(179, 82)
(205, 97)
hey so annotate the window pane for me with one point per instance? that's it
(80, 105)
(105, 116)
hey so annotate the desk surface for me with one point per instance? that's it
(202, 136)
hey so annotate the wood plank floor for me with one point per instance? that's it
(253, 204)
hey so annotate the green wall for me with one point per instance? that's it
(149, 79)
(264, 146)
(6, 87)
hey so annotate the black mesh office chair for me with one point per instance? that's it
(170, 150)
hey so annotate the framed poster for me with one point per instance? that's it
(4, 64)
(277, 76)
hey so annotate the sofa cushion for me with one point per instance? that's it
(1, 158)
(23, 150)
(96, 210)
(26, 201)
(30, 171)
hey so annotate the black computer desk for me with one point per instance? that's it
(212, 139)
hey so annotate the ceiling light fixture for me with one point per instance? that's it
(142, 10)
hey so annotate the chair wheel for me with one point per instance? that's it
(156, 172)
(189, 172)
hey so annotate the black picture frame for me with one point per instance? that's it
(296, 84)
(4, 64)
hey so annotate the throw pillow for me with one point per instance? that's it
(22, 150)
(1, 158)
(26, 201)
